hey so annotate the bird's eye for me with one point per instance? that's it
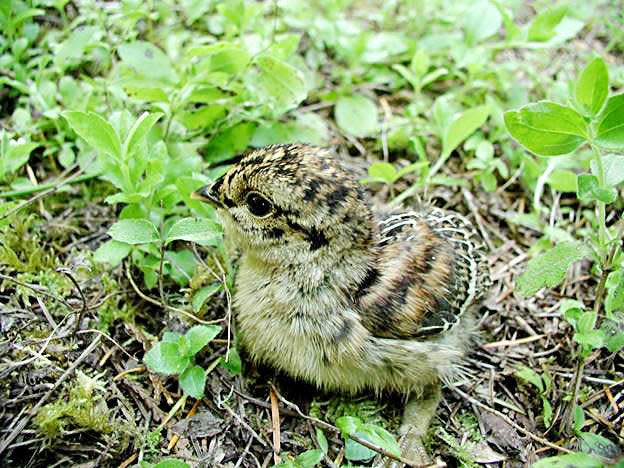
(258, 205)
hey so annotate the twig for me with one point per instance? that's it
(69, 274)
(510, 422)
(70, 370)
(275, 424)
(519, 341)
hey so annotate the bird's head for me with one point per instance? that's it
(291, 203)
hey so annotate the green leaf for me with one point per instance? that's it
(547, 411)
(549, 268)
(171, 463)
(462, 126)
(148, 61)
(200, 335)
(613, 165)
(111, 252)
(610, 133)
(563, 180)
(357, 115)
(587, 322)
(202, 295)
(348, 424)
(134, 231)
(233, 363)
(615, 295)
(74, 46)
(596, 444)
(96, 131)
(592, 87)
(381, 437)
(542, 28)
(382, 171)
(529, 375)
(193, 381)
(481, 21)
(165, 358)
(588, 189)
(139, 130)
(230, 141)
(281, 84)
(357, 452)
(570, 460)
(579, 418)
(200, 230)
(322, 440)
(16, 156)
(309, 458)
(547, 128)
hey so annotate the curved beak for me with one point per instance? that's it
(206, 194)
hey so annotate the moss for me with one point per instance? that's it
(81, 407)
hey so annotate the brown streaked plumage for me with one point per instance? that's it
(334, 292)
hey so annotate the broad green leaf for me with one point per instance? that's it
(193, 381)
(579, 418)
(379, 436)
(562, 180)
(134, 231)
(16, 156)
(542, 28)
(171, 463)
(230, 141)
(589, 189)
(233, 363)
(201, 296)
(615, 295)
(613, 166)
(547, 128)
(357, 115)
(547, 411)
(462, 126)
(348, 424)
(96, 131)
(357, 452)
(549, 268)
(610, 133)
(309, 458)
(322, 440)
(586, 322)
(592, 87)
(199, 230)
(223, 57)
(382, 171)
(165, 358)
(596, 444)
(481, 21)
(148, 61)
(570, 460)
(74, 46)
(139, 130)
(200, 335)
(281, 84)
(529, 375)
(111, 252)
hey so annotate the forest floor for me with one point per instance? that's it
(383, 83)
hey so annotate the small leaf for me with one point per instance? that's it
(547, 128)
(549, 268)
(542, 28)
(171, 463)
(134, 231)
(588, 189)
(201, 296)
(165, 358)
(615, 295)
(529, 375)
(481, 21)
(596, 444)
(148, 61)
(16, 156)
(579, 418)
(382, 171)
(586, 322)
(547, 411)
(357, 115)
(140, 129)
(233, 363)
(111, 252)
(281, 84)
(322, 440)
(613, 165)
(462, 126)
(96, 131)
(193, 381)
(610, 132)
(200, 230)
(570, 460)
(357, 452)
(592, 87)
(200, 335)
(309, 458)
(348, 424)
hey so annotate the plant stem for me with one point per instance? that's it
(161, 289)
(46, 186)
(603, 235)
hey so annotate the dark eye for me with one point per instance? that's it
(258, 205)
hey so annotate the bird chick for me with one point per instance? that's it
(332, 292)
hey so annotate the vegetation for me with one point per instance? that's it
(112, 279)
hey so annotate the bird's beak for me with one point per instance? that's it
(206, 194)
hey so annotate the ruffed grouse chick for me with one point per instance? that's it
(332, 292)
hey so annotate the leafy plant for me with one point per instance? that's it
(373, 433)
(543, 384)
(174, 354)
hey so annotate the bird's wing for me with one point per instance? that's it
(431, 268)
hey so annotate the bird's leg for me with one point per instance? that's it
(417, 415)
